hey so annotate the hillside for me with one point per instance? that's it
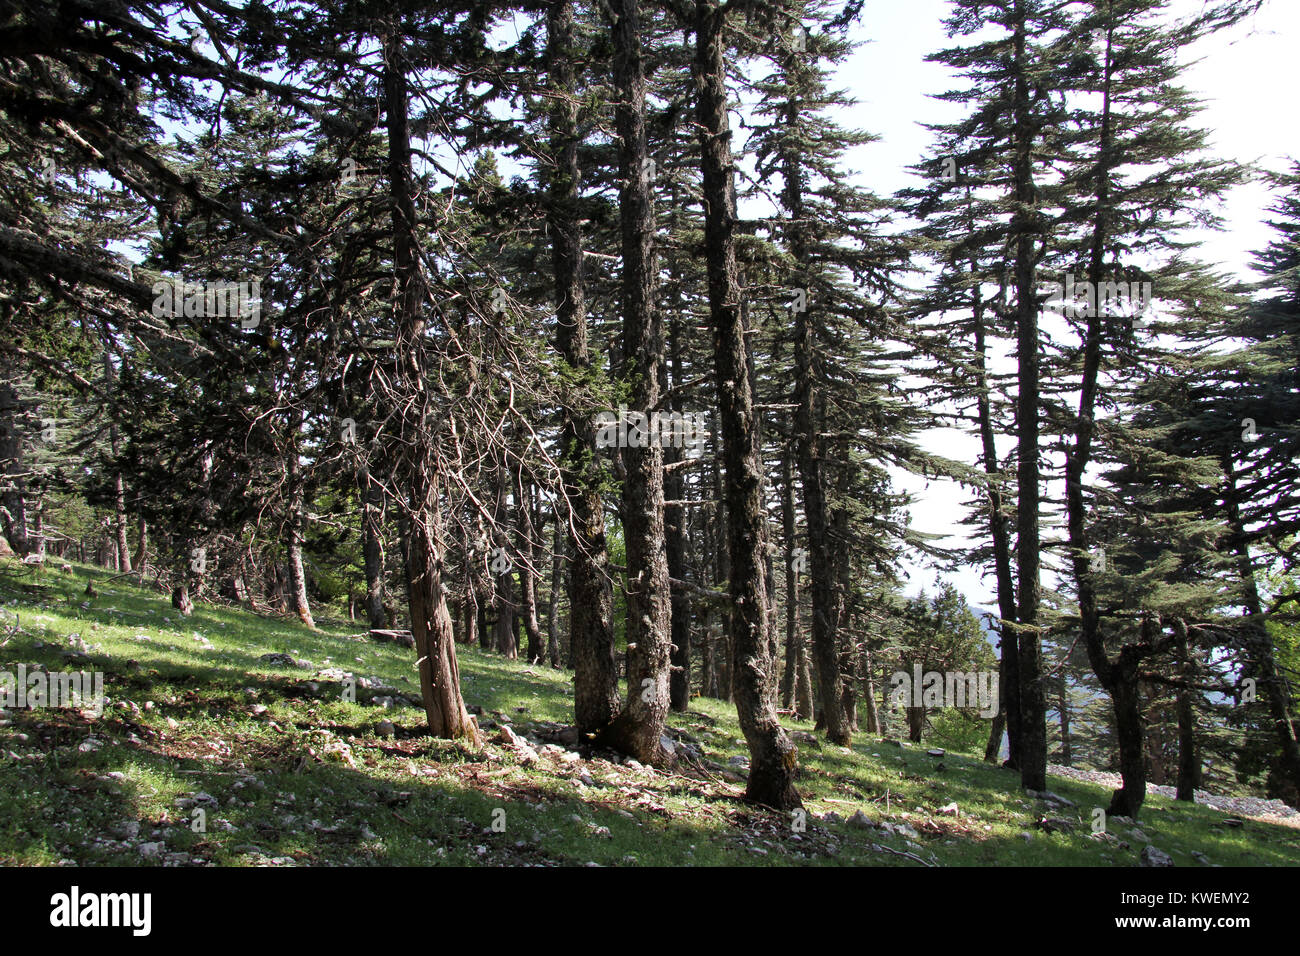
(287, 772)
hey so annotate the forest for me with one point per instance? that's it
(559, 360)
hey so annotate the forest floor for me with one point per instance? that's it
(208, 754)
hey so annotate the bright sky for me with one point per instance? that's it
(1245, 75)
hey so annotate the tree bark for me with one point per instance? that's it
(1033, 703)
(638, 728)
(773, 758)
(372, 548)
(595, 678)
(430, 622)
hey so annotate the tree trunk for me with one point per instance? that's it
(430, 621)
(1189, 762)
(773, 758)
(295, 533)
(1126, 699)
(553, 605)
(793, 639)
(119, 489)
(595, 678)
(142, 547)
(1033, 700)
(821, 567)
(1063, 710)
(1008, 715)
(372, 548)
(1259, 642)
(13, 511)
(638, 728)
(528, 580)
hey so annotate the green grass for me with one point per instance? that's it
(303, 779)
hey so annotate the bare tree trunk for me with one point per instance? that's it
(773, 758)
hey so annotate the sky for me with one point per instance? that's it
(1246, 77)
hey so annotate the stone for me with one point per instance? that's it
(861, 821)
(950, 810)
(278, 660)
(385, 728)
(1150, 856)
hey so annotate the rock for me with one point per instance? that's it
(1233, 822)
(861, 821)
(1150, 856)
(1055, 825)
(951, 810)
(1026, 836)
(150, 851)
(569, 737)
(127, 829)
(279, 660)
(1055, 798)
(832, 817)
(738, 761)
(509, 737)
(667, 745)
(935, 752)
(1138, 835)
(385, 728)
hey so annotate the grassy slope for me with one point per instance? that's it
(308, 780)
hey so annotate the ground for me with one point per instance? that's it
(207, 754)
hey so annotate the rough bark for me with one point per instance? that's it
(596, 699)
(809, 451)
(430, 622)
(773, 758)
(639, 726)
(1033, 702)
